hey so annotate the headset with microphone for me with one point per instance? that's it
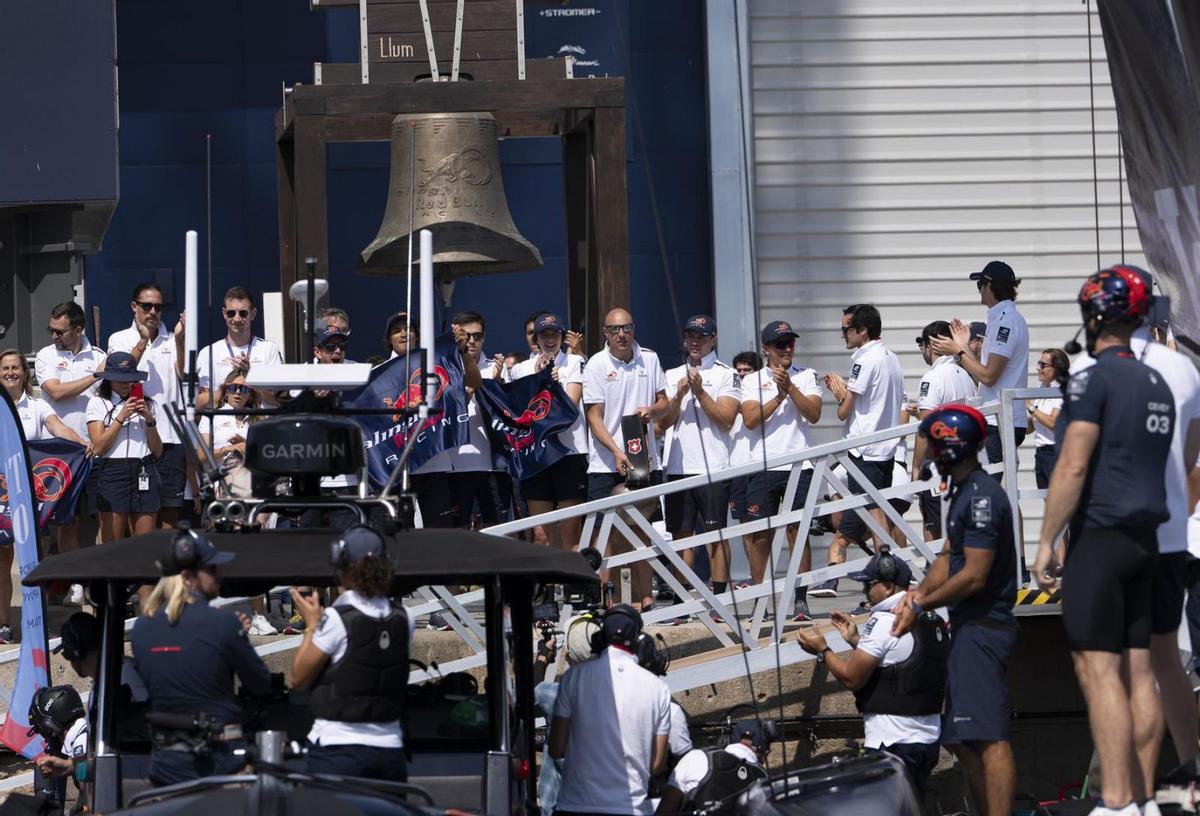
(183, 553)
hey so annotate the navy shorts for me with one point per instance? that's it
(977, 708)
(879, 474)
(170, 767)
(931, 512)
(357, 760)
(172, 471)
(1170, 586)
(1193, 608)
(433, 497)
(737, 497)
(994, 446)
(765, 489)
(1044, 457)
(116, 483)
(565, 480)
(1108, 590)
(698, 510)
(601, 485)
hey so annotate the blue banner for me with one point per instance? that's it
(60, 470)
(23, 528)
(398, 384)
(523, 419)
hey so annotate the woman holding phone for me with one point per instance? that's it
(126, 441)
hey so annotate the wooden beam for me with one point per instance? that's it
(311, 196)
(609, 250)
(441, 97)
(575, 191)
(350, 73)
(285, 164)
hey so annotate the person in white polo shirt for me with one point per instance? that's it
(1003, 361)
(944, 383)
(238, 350)
(66, 373)
(623, 380)
(870, 400)
(705, 398)
(159, 353)
(1178, 702)
(779, 404)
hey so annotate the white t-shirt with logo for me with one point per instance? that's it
(945, 382)
(223, 352)
(876, 639)
(1042, 435)
(68, 367)
(570, 370)
(877, 382)
(331, 639)
(1184, 382)
(33, 413)
(1008, 335)
(607, 764)
(130, 442)
(784, 431)
(621, 388)
(701, 446)
(162, 384)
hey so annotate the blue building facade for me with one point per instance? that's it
(217, 67)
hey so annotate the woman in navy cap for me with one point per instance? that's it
(126, 442)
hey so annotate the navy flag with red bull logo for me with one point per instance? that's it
(398, 384)
(60, 469)
(523, 419)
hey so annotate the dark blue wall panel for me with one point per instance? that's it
(191, 68)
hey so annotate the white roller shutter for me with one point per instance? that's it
(899, 147)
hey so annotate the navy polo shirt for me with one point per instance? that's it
(1133, 406)
(980, 516)
(189, 666)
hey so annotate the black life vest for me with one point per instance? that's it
(917, 685)
(370, 682)
(728, 777)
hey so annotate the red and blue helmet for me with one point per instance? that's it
(953, 433)
(1118, 293)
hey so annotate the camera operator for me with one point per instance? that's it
(715, 780)
(611, 723)
(189, 653)
(355, 657)
(898, 682)
(56, 715)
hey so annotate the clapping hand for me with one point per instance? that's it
(845, 626)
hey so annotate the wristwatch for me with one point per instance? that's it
(821, 654)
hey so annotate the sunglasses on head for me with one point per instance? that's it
(332, 345)
(232, 313)
(239, 388)
(149, 307)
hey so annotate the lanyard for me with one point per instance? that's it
(249, 348)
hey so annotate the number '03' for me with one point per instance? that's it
(1158, 423)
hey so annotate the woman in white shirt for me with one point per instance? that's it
(227, 436)
(126, 442)
(38, 421)
(1053, 370)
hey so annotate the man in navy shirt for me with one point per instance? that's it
(976, 576)
(1114, 436)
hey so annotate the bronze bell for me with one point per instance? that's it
(459, 196)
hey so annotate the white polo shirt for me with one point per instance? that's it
(1184, 382)
(606, 768)
(570, 370)
(784, 431)
(694, 438)
(1007, 334)
(621, 388)
(33, 413)
(945, 382)
(331, 639)
(679, 741)
(1042, 435)
(877, 381)
(131, 439)
(158, 361)
(691, 770)
(876, 639)
(223, 352)
(225, 427)
(67, 367)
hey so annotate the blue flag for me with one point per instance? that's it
(384, 435)
(21, 526)
(523, 419)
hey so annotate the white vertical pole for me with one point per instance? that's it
(191, 304)
(428, 313)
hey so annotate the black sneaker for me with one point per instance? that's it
(825, 589)
(438, 623)
(800, 612)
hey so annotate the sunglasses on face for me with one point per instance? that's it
(232, 313)
(239, 388)
(333, 345)
(53, 332)
(149, 307)
(476, 336)
(783, 345)
(1041, 365)
(847, 329)
(624, 328)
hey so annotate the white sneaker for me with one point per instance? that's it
(75, 596)
(1150, 808)
(259, 625)
(1131, 809)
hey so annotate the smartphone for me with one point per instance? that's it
(136, 391)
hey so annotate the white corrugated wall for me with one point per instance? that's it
(900, 146)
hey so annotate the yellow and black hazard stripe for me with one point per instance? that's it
(1037, 597)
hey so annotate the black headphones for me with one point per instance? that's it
(183, 554)
(600, 639)
(650, 657)
(338, 557)
(52, 711)
(887, 568)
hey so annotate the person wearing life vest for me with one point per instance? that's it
(899, 683)
(354, 656)
(719, 780)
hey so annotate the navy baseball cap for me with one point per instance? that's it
(701, 324)
(121, 367)
(322, 331)
(548, 322)
(871, 572)
(761, 733)
(978, 329)
(997, 271)
(777, 330)
(396, 320)
(360, 541)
